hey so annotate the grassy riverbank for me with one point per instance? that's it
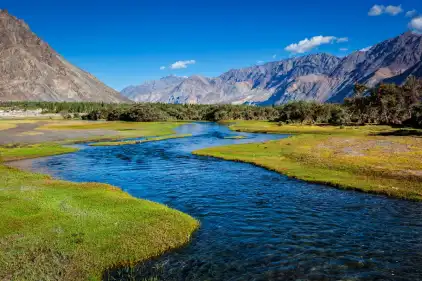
(235, 137)
(18, 152)
(118, 143)
(276, 128)
(122, 129)
(349, 158)
(58, 230)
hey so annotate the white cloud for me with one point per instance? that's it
(342, 39)
(306, 44)
(411, 13)
(274, 56)
(416, 24)
(344, 49)
(259, 62)
(162, 68)
(376, 10)
(182, 64)
(391, 10)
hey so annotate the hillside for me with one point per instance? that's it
(32, 70)
(320, 77)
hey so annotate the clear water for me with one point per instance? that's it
(255, 224)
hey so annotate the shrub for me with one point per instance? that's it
(143, 113)
(66, 115)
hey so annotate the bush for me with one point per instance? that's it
(339, 116)
(416, 119)
(114, 115)
(312, 112)
(144, 113)
(96, 115)
(66, 115)
(385, 104)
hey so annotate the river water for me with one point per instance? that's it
(255, 224)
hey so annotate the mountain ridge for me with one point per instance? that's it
(321, 77)
(32, 70)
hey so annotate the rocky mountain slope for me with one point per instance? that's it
(320, 77)
(31, 70)
(141, 93)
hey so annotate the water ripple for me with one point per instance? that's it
(255, 224)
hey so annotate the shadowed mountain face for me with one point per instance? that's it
(31, 70)
(319, 77)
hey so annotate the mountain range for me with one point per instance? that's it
(31, 70)
(319, 77)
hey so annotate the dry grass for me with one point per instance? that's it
(11, 123)
(30, 133)
(5, 125)
(276, 128)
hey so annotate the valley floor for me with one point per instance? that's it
(59, 230)
(375, 159)
(32, 131)
(54, 229)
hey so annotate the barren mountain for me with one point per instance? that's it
(144, 92)
(31, 70)
(382, 62)
(320, 77)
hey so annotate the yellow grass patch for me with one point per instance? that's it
(30, 133)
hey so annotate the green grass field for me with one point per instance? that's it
(354, 159)
(151, 139)
(18, 152)
(59, 230)
(144, 128)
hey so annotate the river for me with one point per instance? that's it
(255, 224)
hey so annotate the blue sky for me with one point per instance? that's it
(126, 42)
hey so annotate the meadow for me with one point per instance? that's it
(365, 158)
(53, 229)
(59, 230)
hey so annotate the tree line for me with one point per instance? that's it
(387, 104)
(59, 107)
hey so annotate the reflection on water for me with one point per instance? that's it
(255, 224)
